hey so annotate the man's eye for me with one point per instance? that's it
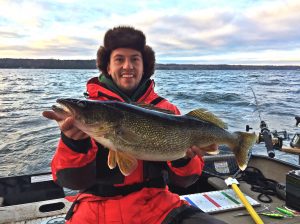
(136, 59)
(119, 59)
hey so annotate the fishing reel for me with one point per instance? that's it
(273, 140)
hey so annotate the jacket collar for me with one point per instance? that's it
(139, 92)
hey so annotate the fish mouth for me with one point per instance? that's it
(66, 106)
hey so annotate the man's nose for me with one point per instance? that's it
(127, 64)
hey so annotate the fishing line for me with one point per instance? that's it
(256, 103)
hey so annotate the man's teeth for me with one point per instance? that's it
(127, 76)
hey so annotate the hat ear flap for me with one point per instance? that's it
(102, 61)
(149, 61)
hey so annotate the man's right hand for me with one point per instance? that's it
(66, 125)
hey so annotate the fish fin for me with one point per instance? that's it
(152, 107)
(205, 115)
(112, 159)
(126, 135)
(242, 150)
(127, 164)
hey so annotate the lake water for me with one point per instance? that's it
(28, 140)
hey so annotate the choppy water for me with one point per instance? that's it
(28, 141)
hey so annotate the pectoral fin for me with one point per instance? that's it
(127, 164)
(127, 135)
(112, 159)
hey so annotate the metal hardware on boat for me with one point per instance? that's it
(297, 120)
(295, 142)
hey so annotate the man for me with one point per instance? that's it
(106, 195)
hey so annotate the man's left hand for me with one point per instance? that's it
(195, 150)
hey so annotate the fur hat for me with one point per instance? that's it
(125, 37)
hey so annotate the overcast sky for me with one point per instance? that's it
(180, 31)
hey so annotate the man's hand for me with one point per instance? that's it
(66, 125)
(194, 150)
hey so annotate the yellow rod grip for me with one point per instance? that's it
(248, 206)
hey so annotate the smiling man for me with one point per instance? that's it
(126, 69)
(106, 195)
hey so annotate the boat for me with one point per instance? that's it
(37, 199)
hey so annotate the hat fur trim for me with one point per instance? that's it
(124, 37)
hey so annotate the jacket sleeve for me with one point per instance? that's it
(73, 165)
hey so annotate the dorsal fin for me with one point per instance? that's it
(151, 107)
(205, 115)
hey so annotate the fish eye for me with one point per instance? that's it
(81, 104)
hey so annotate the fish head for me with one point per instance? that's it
(87, 112)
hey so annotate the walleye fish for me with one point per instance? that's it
(132, 132)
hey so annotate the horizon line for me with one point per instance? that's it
(172, 63)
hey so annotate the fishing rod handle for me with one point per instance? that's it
(268, 143)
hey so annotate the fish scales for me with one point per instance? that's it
(151, 136)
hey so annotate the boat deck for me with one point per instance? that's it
(267, 166)
(42, 212)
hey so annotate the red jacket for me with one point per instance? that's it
(82, 165)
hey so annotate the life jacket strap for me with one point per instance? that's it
(110, 191)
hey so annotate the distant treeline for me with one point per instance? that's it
(47, 63)
(91, 64)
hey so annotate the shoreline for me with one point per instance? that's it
(11, 63)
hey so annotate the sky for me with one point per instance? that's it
(258, 32)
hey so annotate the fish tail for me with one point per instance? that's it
(242, 149)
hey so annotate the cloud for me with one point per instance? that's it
(262, 57)
(257, 29)
(10, 34)
(58, 47)
(177, 30)
(20, 13)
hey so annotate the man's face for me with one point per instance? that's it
(126, 68)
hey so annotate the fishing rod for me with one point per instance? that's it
(265, 134)
(274, 140)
